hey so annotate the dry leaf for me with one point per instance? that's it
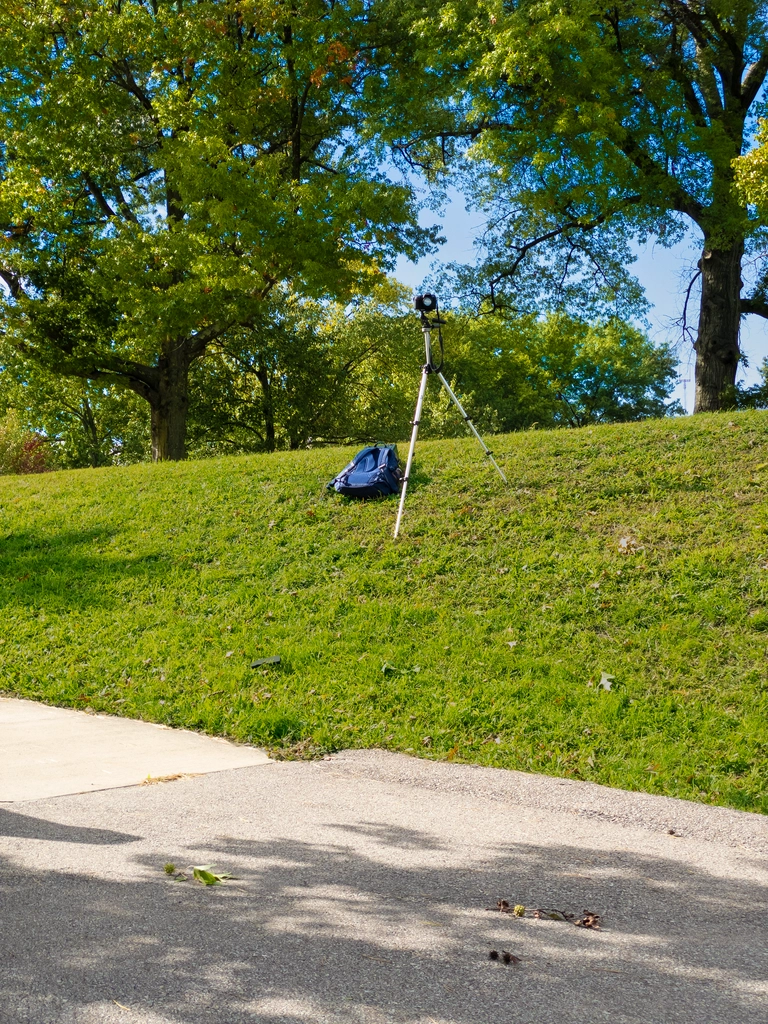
(152, 779)
(628, 545)
(589, 920)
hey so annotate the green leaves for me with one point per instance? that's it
(203, 873)
(591, 127)
(752, 174)
(166, 167)
(207, 876)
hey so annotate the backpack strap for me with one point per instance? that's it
(350, 466)
(362, 453)
(331, 483)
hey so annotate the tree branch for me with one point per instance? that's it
(199, 341)
(124, 207)
(733, 44)
(759, 307)
(753, 80)
(708, 83)
(12, 280)
(692, 101)
(99, 196)
(682, 322)
(124, 78)
(111, 368)
(685, 16)
(571, 225)
(682, 200)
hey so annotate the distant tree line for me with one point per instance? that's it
(320, 373)
(200, 203)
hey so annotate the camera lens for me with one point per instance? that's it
(425, 303)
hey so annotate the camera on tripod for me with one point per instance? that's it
(426, 303)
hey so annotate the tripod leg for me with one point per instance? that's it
(470, 424)
(414, 432)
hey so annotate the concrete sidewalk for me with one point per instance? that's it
(362, 895)
(47, 751)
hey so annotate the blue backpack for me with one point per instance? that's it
(373, 473)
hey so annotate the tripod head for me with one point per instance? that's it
(423, 304)
(434, 322)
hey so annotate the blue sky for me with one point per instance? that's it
(664, 273)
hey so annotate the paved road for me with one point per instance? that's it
(361, 895)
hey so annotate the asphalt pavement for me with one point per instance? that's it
(366, 891)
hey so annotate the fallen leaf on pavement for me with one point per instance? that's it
(505, 956)
(589, 920)
(553, 915)
(152, 779)
(206, 875)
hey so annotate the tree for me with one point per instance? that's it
(165, 166)
(595, 124)
(83, 423)
(286, 385)
(606, 373)
(552, 372)
(22, 450)
(330, 373)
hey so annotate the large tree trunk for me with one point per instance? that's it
(88, 422)
(169, 403)
(267, 406)
(717, 344)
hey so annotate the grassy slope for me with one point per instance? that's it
(147, 591)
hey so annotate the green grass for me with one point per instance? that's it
(478, 636)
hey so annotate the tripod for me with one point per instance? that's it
(427, 327)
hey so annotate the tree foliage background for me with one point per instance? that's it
(164, 167)
(200, 202)
(587, 127)
(320, 373)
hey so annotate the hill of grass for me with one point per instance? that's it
(482, 634)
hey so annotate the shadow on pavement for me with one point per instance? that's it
(24, 826)
(371, 923)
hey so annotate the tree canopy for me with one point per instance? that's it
(591, 126)
(199, 204)
(165, 166)
(752, 177)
